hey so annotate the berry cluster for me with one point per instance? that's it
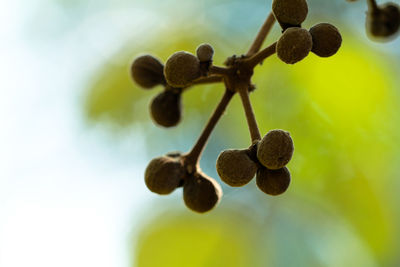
(383, 21)
(266, 157)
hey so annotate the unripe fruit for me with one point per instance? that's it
(147, 71)
(164, 174)
(181, 69)
(290, 13)
(205, 52)
(166, 108)
(294, 45)
(273, 182)
(275, 150)
(201, 193)
(385, 22)
(235, 167)
(326, 39)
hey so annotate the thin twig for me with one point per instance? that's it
(192, 158)
(208, 79)
(261, 56)
(251, 118)
(262, 35)
(215, 70)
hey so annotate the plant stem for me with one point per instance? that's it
(372, 6)
(193, 157)
(208, 79)
(248, 109)
(215, 70)
(262, 35)
(261, 56)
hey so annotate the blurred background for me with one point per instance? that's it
(76, 136)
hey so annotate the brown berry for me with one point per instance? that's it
(383, 22)
(166, 108)
(163, 175)
(201, 193)
(326, 39)
(147, 71)
(273, 182)
(275, 150)
(294, 45)
(205, 52)
(290, 13)
(181, 69)
(235, 167)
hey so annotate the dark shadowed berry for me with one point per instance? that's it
(273, 182)
(201, 193)
(164, 174)
(275, 150)
(383, 22)
(235, 167)
(290, 13)
(181, 69)
(166, 108)
(326, 39)
(205, 52)
(294, 45)
(147, 71)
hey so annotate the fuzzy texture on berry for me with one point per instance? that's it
(273, 182)
(294, 45)
(235, 167)
(164, 174)
(385, 22)
(201, 193)
(147, 71)
(166, 108)
(181, 69)
(290, 13)
(326, 39)
(275, 150)
(205, 52)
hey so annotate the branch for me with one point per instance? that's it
(261, 56)
(262, 35)
(215, 70)
(208, 79)
(251, 119)
(193, 157)
(372, 6)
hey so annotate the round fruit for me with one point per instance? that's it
(201, 193)
(273, 182)
(290, 13)
(205, 52)
(275, 150)
(163, 175)
(235, 167)
(384, 22)
(294, 45)
(147, 71)
(166, 108)
(326, 39)
(181, 69)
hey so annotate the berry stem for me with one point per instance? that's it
(248, 109)
(208, 79)
(372, 6)
(192, 158)
(261, 56)
(215, 70)
(262, 35)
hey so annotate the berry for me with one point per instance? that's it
(235, 167)
(147, 71)
(384, 22)
(201, 193)
(275, 150)
(326, 39)
(205, 52)
(290, 13)
(273, 182)
(294, 45)
(181, 69)
(166, 108)
(164, 174)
